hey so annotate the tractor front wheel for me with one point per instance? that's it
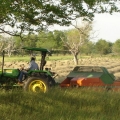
(35, 84)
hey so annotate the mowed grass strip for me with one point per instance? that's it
(27, 58)
(60, 104)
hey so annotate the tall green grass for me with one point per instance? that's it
(60, 104)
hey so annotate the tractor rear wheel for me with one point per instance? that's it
(36, 84)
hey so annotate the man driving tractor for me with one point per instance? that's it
(32, 66)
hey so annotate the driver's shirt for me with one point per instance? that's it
(33, 66)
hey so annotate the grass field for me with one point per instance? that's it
(60, 104)
(27, 58)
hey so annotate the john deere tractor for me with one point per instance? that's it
(34, 81)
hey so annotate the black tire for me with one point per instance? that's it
(36, 84)
(51, 81)
(108, 88)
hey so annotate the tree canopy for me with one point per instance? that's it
(36, 15)
(116, 46)
(103, 47)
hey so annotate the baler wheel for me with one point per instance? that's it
(108, 88)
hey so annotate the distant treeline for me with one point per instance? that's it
(53, 42)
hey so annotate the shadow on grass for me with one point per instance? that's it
(60, 104)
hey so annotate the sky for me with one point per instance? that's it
(105, 26)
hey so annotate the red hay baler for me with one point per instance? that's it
(91, 76)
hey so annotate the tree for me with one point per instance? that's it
(116, 47)
(28, 41)
(75, 38)
(2, 43)
(45, 40)
(58, 43)
(7, 44)
(35, 15)
(103, 47)
(87, 48)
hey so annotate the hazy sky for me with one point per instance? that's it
(107, 26)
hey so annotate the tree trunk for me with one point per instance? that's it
(9, 53)
(75, 59)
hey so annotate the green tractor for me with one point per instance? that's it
(34, 81)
